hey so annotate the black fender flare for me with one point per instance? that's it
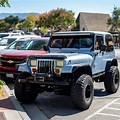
(114, 62)
(82, 70)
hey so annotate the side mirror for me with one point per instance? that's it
(103, 48)
(46, 48)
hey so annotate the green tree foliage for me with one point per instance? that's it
(4, 3)
(29, 22)
(114, 21)
(57, 19)
(12, 21)
(4, 27)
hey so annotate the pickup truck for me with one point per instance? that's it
(9, 58)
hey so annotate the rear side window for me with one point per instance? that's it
(109, 43)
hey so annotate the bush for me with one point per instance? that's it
(2, 83)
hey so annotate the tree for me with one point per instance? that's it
(12, 21)
(4, 27)
(114, 21)
(4, 3)
(59, 19)
(30, 22)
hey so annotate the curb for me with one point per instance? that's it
(19, 110)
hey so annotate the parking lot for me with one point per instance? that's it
(49, 106)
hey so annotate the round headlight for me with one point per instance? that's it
(59, 63)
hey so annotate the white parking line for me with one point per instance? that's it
(117, 103)
(112, 115)
(113, 108)
(99, 110)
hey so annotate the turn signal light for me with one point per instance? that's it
(57, 70)
(34, 70)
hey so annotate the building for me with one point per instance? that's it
(92, 22)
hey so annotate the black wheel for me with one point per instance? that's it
(111, 82)
(82, 92)
(24, 92)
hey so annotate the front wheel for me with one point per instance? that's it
(24, 92)
(111, 82)
(82, 92)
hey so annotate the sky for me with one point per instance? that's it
(42, 6)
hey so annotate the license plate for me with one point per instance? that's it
(9, 75)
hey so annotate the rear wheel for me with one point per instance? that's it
(82, 92)
(24, 92)
(111, 82)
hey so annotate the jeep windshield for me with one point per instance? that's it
(82, 41)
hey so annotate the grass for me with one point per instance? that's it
(2, 92)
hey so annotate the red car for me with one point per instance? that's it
(9, 58)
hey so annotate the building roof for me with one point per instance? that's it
(95, 21)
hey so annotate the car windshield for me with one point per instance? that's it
(6, 41)
(15, 45)
(71, 42)
(33, 45)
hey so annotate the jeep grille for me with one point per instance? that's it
(45, 66)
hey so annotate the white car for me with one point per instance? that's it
(9, 34)
(5, 41)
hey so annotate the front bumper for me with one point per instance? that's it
(9, 74)
(58, 81)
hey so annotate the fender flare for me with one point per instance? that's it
(114, 62)
(82, 70)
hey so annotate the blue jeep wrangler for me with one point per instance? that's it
(75, 59)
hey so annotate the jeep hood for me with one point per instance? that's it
(73, 57)
(21, 53)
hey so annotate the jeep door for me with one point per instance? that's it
(99, 60)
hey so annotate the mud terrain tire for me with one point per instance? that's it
(22, 93)
(82, 92)
(111, 82)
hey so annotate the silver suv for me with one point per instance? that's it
(75, 59)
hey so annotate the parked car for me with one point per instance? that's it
(75, 60)
(10, 58)
(18, 42)
(9, 34)
(5, 41)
